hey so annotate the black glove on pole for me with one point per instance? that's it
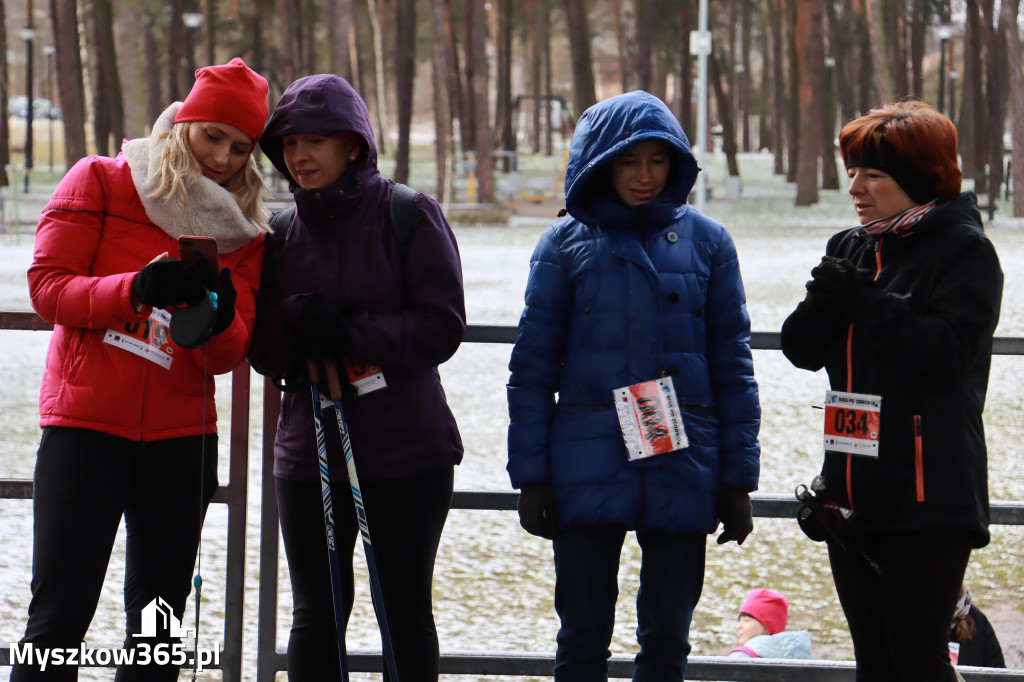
(537, 514)
(322, 330)
(736, 513)
(168, 282)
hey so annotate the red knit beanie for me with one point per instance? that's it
(769, 608)
(231, 93)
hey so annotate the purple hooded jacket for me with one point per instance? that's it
(406, 312)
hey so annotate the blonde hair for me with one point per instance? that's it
(178, 167)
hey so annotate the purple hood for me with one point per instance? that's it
(316, 104)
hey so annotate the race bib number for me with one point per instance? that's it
(852, 423)
(366, 378)
(650, 418)
(149, 339)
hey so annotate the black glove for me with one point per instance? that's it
(836, 284)
(322, 330)
(168, 282)
(225, 302)
(537, 514)
(736, 513)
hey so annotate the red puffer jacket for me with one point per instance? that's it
(109, 368)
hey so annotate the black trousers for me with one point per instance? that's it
(405, 517)
(899, 620)
(85, 482)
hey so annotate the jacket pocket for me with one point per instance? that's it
(919, 457)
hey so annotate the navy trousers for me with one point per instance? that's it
(586, 589)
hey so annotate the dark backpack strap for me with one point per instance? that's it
(275, 243)
(280, 222)
(404, 215)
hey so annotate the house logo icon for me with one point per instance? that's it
(158, 617)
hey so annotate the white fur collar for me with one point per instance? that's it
(211, 210)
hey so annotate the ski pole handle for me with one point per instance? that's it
(333, 382)
(313, 370)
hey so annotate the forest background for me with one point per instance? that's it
(493, 76)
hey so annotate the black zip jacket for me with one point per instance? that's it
(920, 336)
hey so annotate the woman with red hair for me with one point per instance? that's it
(901, 312)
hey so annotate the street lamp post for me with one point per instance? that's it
(944, 32)
(29, 34)
(739, 104)
(193, 20)
(49, 51)
(954, 75)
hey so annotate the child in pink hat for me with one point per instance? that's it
(761, 632)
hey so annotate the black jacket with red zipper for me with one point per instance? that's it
(920, 336)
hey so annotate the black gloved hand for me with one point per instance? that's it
(168, 282)
(736, 513)
(537, 513)
(836, 284)
(322, 330)
(226, 298)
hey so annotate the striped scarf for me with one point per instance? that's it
(901, 223)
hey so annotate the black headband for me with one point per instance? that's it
(885, 159)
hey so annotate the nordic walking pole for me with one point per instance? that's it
(357, 497)
(332, 549)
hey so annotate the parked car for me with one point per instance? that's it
(17, 106)
(41, 108)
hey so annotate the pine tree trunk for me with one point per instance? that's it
(442, 112)
(810, 57)
(1015, 56)
(476, 87)
(378, 73)
(405, 79)
(505, 141)
(339, 17)
(69, 78)
(108, 115)
(778, 87)
(583, 90)
(5, 131)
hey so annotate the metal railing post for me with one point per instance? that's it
(266, 634)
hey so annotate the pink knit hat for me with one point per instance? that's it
(769, 608)
(231, 93)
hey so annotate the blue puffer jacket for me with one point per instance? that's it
(617, 296)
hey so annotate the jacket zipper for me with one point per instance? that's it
(849, 387)
(919, 457)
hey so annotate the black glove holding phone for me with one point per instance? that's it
(168, 282)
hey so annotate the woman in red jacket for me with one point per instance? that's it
(128, 415)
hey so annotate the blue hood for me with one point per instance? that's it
(316, 104)
(604, 131)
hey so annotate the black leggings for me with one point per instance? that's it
(899, 621)
(85, 482)
(405, 517)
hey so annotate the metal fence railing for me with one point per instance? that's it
(270, 660)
